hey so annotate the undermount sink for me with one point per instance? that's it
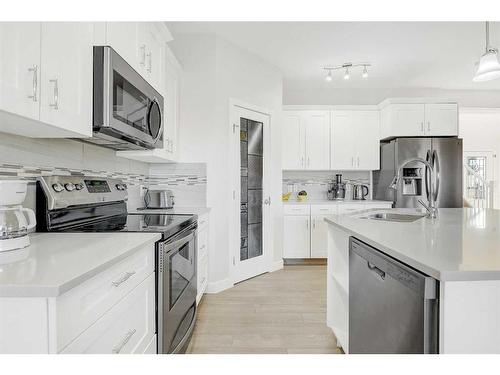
(391, 216)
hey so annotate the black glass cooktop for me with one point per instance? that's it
(167, 225)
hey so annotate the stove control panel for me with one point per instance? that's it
(65, 191)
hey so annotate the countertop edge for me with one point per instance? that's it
(51, 291)
(443, 276)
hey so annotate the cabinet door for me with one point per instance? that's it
(66, 79)
(343, 141)
(407, 120)
(441, 119)
(317, 129)
(20, 68)
(122, 36)
(297, 237)
(293, 141)
(152, 69)
(368, 140)
(171, 94)
(319, 237)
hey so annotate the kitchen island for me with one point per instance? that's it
(460, 249)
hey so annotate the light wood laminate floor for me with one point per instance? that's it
(279, 312)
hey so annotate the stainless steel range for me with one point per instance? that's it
(91, 204)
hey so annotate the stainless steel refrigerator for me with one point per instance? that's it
(445, 154)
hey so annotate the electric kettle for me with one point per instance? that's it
(16, 221)
(359, 192)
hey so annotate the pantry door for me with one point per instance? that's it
(250, 227)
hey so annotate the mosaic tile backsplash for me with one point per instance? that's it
(316, 182)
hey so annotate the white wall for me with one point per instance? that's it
(480, 130)
(216, 71)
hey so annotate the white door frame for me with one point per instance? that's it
(238, 271)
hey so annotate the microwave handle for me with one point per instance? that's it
(160, 132)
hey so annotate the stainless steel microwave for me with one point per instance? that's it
(127, 110)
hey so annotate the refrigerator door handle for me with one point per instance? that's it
(435, 165)
(427, 175)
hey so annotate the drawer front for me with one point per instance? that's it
(296, 209)
(323, 209)
(346, 208)
(125, 329)
(202, 221)
(202, 243)
(83, 305)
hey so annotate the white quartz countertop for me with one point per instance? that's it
(56, 262)
(461, 244)
(344, 201)
(176, 211)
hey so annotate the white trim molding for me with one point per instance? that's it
(276, 266)
(219, 286)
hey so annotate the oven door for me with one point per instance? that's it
(176, 291)
(126, 106)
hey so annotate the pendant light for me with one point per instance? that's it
(488, 67)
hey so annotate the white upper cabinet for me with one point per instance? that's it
(355, 140)
(306, 140)
(66, 78)
(123, 37)
(293, 141)
(317, 129)
(150, 45)
(20, 68)
(46, 79)
(418, 119)
(441, 119)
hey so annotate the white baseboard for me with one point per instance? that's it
(275, 266)
(219, 286)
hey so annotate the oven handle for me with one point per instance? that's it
(168, 247)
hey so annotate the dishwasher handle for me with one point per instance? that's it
(376, 270)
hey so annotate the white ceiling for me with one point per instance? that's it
(403, 54)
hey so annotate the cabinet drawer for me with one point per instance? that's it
(202, 243)
(83, 305)
(202, 221)
(324, 209)
(345, 208)
(296, 209)
(125, 329)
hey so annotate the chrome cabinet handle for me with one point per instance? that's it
(352, 161)
(55, 105)
(307, 223)
(302, 162)
(35, 82)
(422, 126)
(124, 278)
(314, 223)
(118, 348)
(428, 126)
(150, 62)
(308, 161)
(358, 161)
(143, 55)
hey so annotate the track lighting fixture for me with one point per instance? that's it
(347, 73)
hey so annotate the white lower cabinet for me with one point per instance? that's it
(305, 229)
(297, 237)
(112, 312)
(202, 257)
(125, 329)
(319, 232)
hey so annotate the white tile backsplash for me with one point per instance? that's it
(316, 182)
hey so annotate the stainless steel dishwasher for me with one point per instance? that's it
(392, 307)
